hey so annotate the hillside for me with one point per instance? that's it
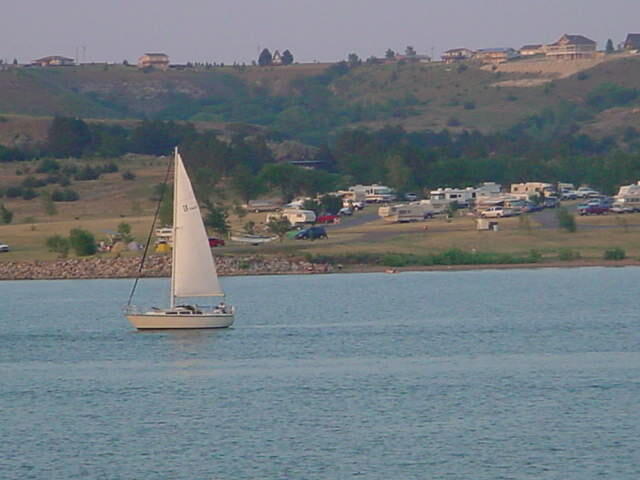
(304, 101)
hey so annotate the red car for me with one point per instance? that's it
(216, 242)
(328, 219)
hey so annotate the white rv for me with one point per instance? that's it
(372, 193)
(462, 196)
(294, 215)
(406, 212)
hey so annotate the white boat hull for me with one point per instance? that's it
(161, 321)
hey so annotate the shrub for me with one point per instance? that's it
(109, 168)
(128, 175)
(13, 192)
(566, 220)
(88, 173)
(6, 215)
(58, 244)
(83, 242)
(615, 254)
(48, 165)
(33, 182)
(566, 254)
(66, 195)
(29, 194)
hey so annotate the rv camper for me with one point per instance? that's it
(407, 212)
(294, 215)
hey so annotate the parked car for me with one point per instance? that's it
(586, 192)
(621, 208)
(328, 219)
(345, 211)
(585, 209)
(216, 242)
(4, 247)
(551, 202)
(531, 207)
(412, 197)
(496, 212)
(311, 233)
(568, 195)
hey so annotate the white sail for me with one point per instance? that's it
(194, 272)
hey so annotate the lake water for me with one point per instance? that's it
(522, 374)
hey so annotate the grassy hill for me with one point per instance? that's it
(414, 95)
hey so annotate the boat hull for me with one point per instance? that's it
(160, 321)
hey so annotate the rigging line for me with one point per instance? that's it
(153, 224)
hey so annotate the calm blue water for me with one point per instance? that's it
(527, 374)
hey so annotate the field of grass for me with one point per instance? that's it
(594, 236)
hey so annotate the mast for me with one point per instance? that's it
(172, 299)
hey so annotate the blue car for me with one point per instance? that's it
(311, 233)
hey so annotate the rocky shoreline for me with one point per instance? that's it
(159, 266)
(155, 266)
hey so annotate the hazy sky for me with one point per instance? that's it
(322, 30)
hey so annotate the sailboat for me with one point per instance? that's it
(193, 271)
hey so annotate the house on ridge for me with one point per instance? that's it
(495, 55)
(571, 47)
(457, 55)
(276, 59)
(154, 60)
(54, 61)
(632, 42)
(531, 50)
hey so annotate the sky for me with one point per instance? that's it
(313, 30)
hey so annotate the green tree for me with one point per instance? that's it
(353, 60)
(48, 204)
(247, 185)
(250, 227)
(58, 244)
(399, 174)
(410, 51)
(6, 215)
(68, 137)
(83, 242)
(165, 212)
(390, 54)
(609, 48)
(287, 57)
(284, 177)
(567, 220)
(124, 229)
(279, 226)
(217, 218)
(313, 205)
(331, 203)
(265, 59)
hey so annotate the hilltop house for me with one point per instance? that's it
(457, 55)
(54, 61)
(154, 60)
(276, 59)
(571, 47)
(632, 42)
(495, 55)
(531, 50)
